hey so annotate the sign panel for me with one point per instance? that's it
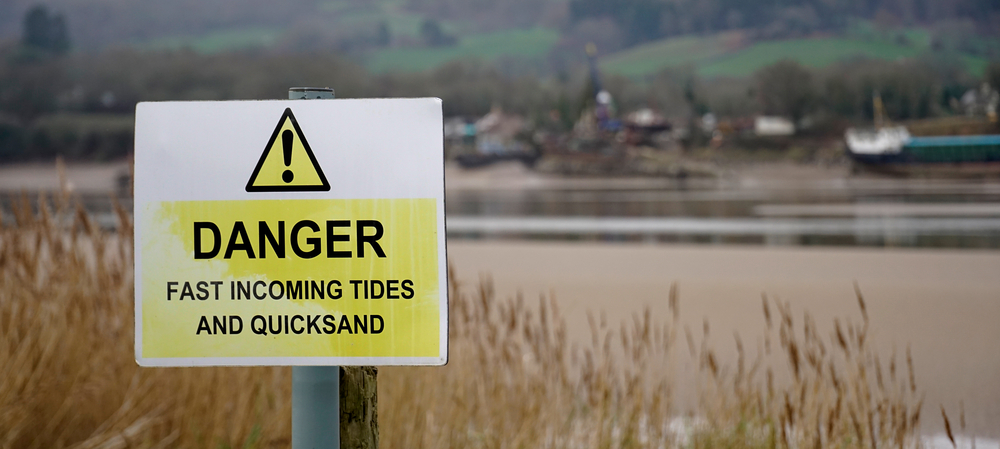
(294, 232)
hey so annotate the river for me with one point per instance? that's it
(773, 205)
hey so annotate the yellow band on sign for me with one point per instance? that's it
(290, 278)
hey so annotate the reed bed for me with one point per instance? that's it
(515, 379)
(68, 377)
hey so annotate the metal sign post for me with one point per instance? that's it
(315, 389)
(315, 407)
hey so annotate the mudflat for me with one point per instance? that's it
(944, 304)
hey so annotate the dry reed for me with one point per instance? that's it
(68, 378)
(67, 373)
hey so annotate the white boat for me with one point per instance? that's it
(889, 140)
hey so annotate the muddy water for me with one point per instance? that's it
(794, 206)
(783, 205)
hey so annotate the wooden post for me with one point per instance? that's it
(359, 407)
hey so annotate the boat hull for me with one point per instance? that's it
(952, 155)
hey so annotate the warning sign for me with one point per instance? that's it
(246, 253)
(287, 164)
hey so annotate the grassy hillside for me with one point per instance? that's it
(351, 26)
(401, 22)
(330, 20)
(723, 54)
(726, 55)
(673, 52)
(808, 52)
(222, 40)
(533, 43)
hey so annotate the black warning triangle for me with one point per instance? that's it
(287, 163)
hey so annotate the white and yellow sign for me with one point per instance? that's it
(305, 232)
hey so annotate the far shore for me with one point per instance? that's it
(102, 177)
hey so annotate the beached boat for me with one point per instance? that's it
(893, 149)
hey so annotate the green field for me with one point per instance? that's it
(720, 55)
(808, 52)
(717, 55)
(674, 52)
(229, 39)
(975, 65)
(530, 44)
(400, 21)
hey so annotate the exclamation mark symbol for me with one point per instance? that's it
(286, 149)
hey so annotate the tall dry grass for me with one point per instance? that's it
(68, 377)
(515, 379)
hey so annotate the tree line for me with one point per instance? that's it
(80, 105)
